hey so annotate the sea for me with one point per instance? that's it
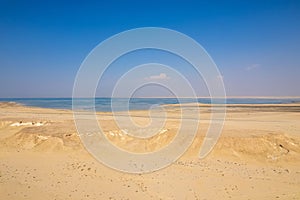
(119, 104)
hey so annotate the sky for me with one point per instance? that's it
(255, 44)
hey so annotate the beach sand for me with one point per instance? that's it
(257, 157)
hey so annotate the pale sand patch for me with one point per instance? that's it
(256, 157)
(27, 124)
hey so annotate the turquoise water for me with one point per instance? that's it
(104, 104)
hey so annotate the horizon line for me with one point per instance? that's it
(165, 97)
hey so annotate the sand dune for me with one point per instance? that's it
(256, 157)
(269, 147)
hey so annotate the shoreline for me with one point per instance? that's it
(191, 104)
(166, 97)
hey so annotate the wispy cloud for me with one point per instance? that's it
(161, 76)
(220, 77)
(252, 67)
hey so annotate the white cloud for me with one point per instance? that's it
(161, 76)
(254, 66)
(220, 77)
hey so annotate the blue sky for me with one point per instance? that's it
(255, 44)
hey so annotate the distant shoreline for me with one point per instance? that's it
(104, 104)
(205, 97)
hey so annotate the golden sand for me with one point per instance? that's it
(256, 157)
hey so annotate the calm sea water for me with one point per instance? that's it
(104, 104)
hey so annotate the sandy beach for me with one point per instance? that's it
(256, 157)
